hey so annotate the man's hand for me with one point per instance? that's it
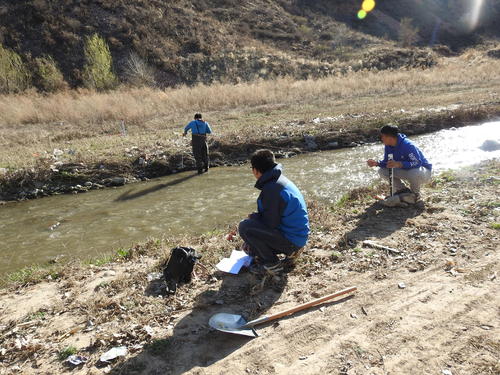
(394, 164)
(372, 163)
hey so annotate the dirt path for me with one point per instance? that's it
(445, 320)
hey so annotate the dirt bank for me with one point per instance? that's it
(444, 317)
(52, 175)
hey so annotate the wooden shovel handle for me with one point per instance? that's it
(304, 306)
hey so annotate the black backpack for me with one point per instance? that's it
(179, 267)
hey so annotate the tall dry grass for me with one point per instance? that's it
(137, 105)
(30, 124)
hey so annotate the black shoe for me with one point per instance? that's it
(403, 191)
(266, 269)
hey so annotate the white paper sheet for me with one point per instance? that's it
(235, 262)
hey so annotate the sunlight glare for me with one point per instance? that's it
(475, 13)
(368, 5)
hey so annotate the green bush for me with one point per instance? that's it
(98, 73)
(14, 76)
(48, 77)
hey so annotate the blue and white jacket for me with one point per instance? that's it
(281, 206)
(407, 153)
(198, 127)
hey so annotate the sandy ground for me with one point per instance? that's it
(445, 319)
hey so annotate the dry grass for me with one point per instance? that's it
(88, 121)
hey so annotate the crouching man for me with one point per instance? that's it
(409, 163)
(281, 225)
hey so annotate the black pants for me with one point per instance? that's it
(200, 151)
(265, 242)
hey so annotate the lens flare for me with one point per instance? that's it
(475, 13)
(361, 14)
(368, 5)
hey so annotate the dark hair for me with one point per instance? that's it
(391, 130)
(263, 160)
(198, 116)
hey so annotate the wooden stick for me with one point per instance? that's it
(380, 247)
(295, 309)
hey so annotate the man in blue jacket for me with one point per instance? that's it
(281, 224)
(409, 163)
(199, 130)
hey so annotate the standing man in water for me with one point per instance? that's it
(199, 130)
(408, 162)
(281, 224)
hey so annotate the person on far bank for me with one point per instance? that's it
(199, 130)
(409, 163)
(281, 223)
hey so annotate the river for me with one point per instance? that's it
(101, 221)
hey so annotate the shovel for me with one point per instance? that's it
(232, 323)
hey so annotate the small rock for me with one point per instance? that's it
(322, 308)
(490, 145)
(354, 316)
(333, 144)
(310, 141)
(88, 184)
(363, 310)
(401, 285)
(117, 181)
(446, 372)
(109, 273)
(303, 357)
(219, 302)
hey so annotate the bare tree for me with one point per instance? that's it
(408, 34)
(138, 72)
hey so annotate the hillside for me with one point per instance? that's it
(189, 41)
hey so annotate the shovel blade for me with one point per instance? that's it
(231, 323)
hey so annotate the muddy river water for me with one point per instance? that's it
(104, 220)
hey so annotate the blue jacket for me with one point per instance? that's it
(281, 206)
(406, 152)
(198, 127)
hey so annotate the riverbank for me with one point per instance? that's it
(75, 154)
(442, 317)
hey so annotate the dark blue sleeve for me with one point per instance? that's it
(188, 127)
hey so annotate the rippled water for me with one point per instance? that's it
(101, 221)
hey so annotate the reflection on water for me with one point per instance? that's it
(105, 220)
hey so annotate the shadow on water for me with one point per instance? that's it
(380, 221)
(131, 194)
(193, 343)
